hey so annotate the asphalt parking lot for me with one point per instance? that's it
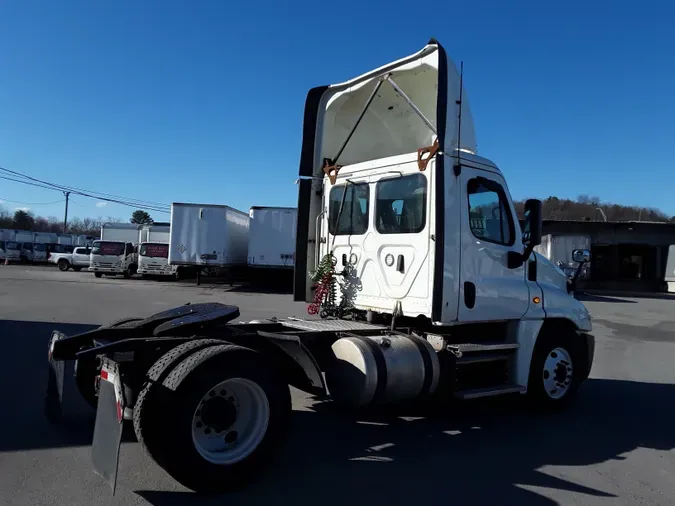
(614, 445)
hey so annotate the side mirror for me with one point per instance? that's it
(581, 255)
(532, 229)
(531, 233)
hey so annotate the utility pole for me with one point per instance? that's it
(65, 216)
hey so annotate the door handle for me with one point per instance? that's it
(469, 294)
(344, 259)
(400, 264)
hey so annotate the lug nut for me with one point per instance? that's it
(231, 436)
(223, 392)
(207, 431)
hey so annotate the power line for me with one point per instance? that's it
(31, 203)
(31, 181)
(75, 189)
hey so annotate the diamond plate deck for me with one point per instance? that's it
(330, 325)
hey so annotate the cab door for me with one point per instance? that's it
(490, 289)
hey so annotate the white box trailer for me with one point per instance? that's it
(271, 237)
(120, 232)
(155, 233)
(670, 269)
(208, 235)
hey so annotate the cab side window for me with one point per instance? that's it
(400, 205)
(351, 203)
(490, 217)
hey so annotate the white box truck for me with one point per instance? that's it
(41, 242)
(208, 235)
(422, 303)
(10, 248)
(271, 237)
(153, 252)
(25, 240)
(116, 252)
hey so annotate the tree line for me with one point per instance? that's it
(587, 208)
(24, 220)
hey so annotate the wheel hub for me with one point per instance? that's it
(558, 373)
(218, 413)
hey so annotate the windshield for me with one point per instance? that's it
(12, 245)
(40, 247)
(108, 248)
(157, 250)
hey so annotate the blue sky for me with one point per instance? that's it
(203, 101)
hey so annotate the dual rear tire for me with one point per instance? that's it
(212, 414)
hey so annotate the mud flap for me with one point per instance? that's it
(53, 409)
(105, 449)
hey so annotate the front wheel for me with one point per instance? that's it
(229, 413)
(555, 371)
(63, 265)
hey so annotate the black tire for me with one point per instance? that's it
(77, 269)
(126, 274)
(546, 347)
(176, 275)
(98, 274)
(63, 265)
(85, 379)
(182, 393)
(148, 409)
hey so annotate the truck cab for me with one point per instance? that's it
(113, 258)
(12, 251)
(153, 260)
(416, 224)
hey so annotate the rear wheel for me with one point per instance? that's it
(230, 410)
(98, 274)
(63, 265)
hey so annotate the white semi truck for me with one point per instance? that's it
(116, 252)
(408, 247)
(153, 252)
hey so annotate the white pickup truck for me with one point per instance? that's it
(76, 260)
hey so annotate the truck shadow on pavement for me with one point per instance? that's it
(466, 453)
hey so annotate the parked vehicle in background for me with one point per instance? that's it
(271, 237)
(25, 240)
(206, 235)
(77, 260)
(116, 252)
(153, 253)
(10, 249)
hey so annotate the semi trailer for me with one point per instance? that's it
(420, 285)
(271, 237)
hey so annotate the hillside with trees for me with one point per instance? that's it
(587, 208)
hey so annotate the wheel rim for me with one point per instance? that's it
(558, 373)
(230, 421)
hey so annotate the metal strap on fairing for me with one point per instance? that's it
(380, 365)
(428, 364)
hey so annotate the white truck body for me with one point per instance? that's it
(116, 251)
(65, 239)
(153, 252)
(271, 237)
(208, 235)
